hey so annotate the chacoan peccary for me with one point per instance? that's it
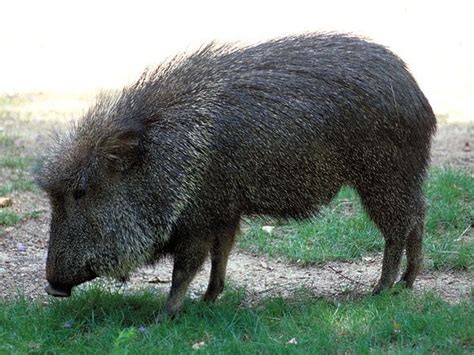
(169, 165)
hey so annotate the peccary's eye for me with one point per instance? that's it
(77, 194)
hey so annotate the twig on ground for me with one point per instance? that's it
(344, 276)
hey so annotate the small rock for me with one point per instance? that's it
(5, 202)
(4, 258)
(265, 265)
(199, 345)
(268, 229)
(68, 324)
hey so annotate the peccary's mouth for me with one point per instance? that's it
(58, 290)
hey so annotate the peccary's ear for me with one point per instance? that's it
(121, 149)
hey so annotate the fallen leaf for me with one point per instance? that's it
(199, 345)
(5, 202)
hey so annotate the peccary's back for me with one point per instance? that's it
(297, 117)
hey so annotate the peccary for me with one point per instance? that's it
(169, 165)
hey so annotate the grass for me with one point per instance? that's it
(95, 321)
(18, 184)
(13, 161)
(450, 216)
(8, 217)
(20, 163)
(343, 231)
(17, 180)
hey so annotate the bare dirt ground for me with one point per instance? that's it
(23, 246)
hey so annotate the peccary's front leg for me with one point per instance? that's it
(222, 245)
(187, 261)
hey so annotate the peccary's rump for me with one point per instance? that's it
(170, 164)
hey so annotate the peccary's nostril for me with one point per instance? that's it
(58, 290)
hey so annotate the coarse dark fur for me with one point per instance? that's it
(170, 164)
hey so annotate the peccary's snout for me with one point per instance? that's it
(58, 290)
(61, 278)
(66, 267)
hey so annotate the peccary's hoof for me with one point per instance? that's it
(211, 297)
(378, 289)
(394, 289)
(403, 284)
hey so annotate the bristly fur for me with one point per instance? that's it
(170, 164)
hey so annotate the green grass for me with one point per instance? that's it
(451, 213)
(8, 217)
(343, 231)
(14, 178)
(14, 162)
(20, 163)
(95, 321)
(19, 184)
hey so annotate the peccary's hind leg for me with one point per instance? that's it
(220, 251)
(391, 211)
(392, 254)
(414, 249)
(414, 256)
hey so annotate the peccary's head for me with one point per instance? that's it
(96, 180)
